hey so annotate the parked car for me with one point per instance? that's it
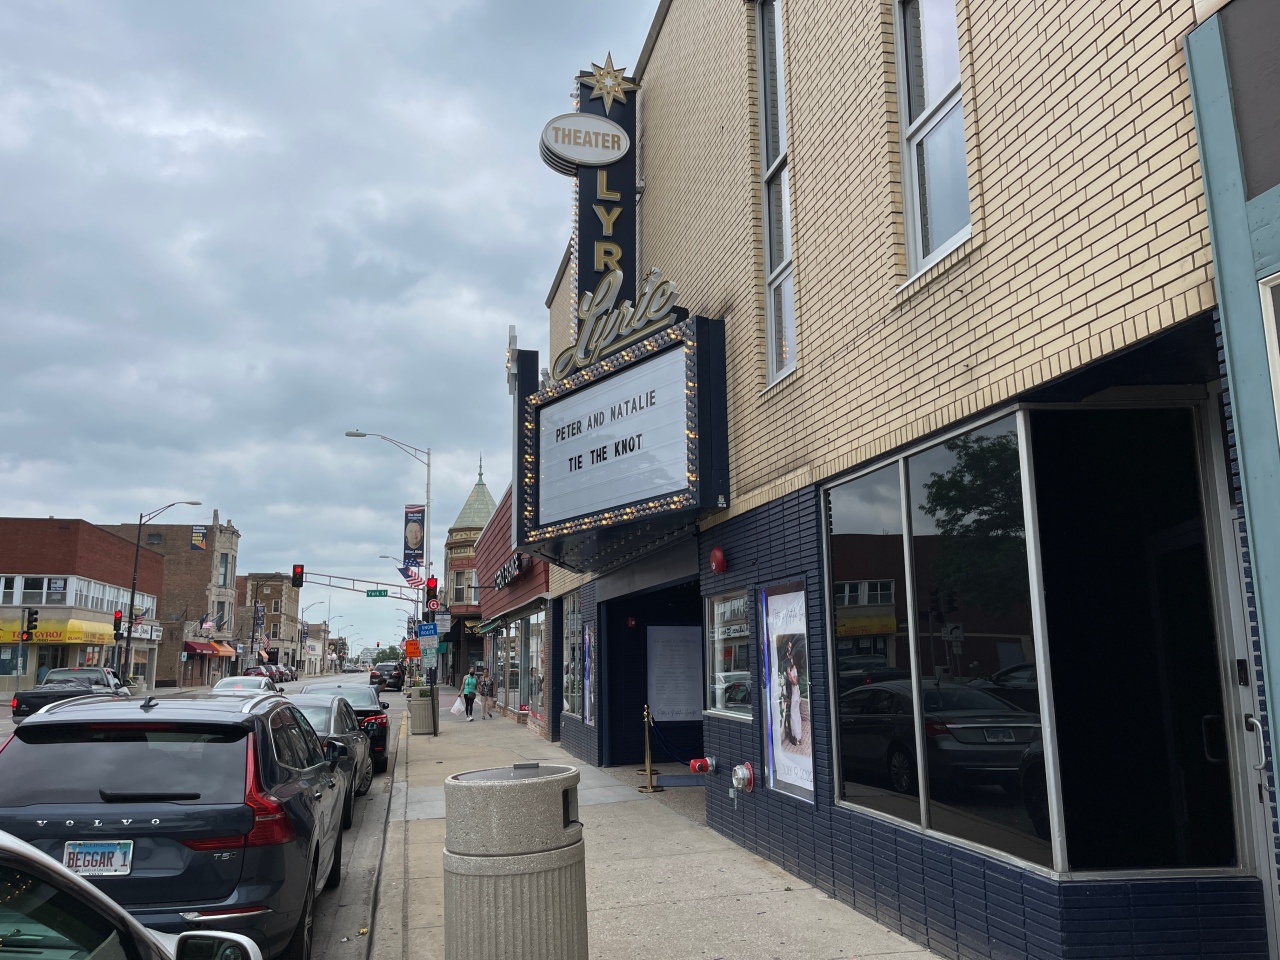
(231, 809)
(865, 669)
(393, 672)
(292, 672)
(48, 911)
(63, 683)
(1017, 684)
(259, 670)
(245, 685)
(733, 689)
(971, 736)
(369, 710)
(334, 721)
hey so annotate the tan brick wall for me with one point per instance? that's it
(563, 325)
(1089, 226)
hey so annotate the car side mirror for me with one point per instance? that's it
(384, 705)
(198, 945)
(335, 750)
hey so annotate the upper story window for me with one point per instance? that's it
(475, 587)
(458, 586)
(224, 564)
(936, 180)
(780, 307)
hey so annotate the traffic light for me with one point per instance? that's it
(935, 604)
(377, 643)
(297, 574)
(431, 587)
(118, 617)
(33, 621)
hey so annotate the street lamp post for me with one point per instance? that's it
(417, 455)
(133, 589)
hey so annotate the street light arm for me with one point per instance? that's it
(408, 448)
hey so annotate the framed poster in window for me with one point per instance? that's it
(787, 693)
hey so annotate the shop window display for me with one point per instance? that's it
(573, 659)
(728, 663)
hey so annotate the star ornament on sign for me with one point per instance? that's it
(608, 83)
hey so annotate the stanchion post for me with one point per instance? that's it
(648, 756)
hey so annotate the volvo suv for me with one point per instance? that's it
(207, 811)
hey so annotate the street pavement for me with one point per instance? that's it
(660, 884)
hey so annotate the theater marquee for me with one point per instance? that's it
(624, 453)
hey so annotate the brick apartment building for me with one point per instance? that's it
(76, 575)
(197, 608)
(280, 639)
(971, 600)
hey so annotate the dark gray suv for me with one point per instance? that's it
(190, 813)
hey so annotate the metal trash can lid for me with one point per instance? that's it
(517, 771)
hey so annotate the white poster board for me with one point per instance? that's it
(675, 673)
(785, 670)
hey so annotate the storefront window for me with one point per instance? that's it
(573, 654)
(977, 662)
(535, 672)
(511, 670)
(872, 657)
(728, 666)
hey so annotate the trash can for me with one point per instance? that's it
(515, 878)
(424, 710)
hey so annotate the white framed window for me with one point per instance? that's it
(223, 569)
(458, 586)
(780, 306)
(935, 177)
(275, 606)
(475, 587)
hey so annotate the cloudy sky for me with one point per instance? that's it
(233, 230)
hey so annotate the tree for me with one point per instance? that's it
(977, 507)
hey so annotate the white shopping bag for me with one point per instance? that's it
(457, 707)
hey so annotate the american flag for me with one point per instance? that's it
(413, 577)
(206, 623)
(137, 619)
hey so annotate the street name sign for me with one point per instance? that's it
(375, 593)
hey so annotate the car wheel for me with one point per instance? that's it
(902, 770)
(335, 872)
(299, 947)
(348, 807)
(366, 781)
(379, 764)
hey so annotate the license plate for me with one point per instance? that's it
(98, 858)
(999, 735)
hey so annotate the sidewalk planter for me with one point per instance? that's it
(514, 853)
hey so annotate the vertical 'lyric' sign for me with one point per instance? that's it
(596, 146)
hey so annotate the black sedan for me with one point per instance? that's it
(971, 736)
(369, 710)
(335, 722)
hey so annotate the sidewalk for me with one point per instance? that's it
(659, 885)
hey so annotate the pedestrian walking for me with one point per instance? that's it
(469, 683)
(486, 694)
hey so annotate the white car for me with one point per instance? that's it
(245, 686)
(49, 912)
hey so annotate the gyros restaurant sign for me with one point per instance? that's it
(584, 139)
(615, 442)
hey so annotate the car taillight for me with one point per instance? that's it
(271, 825)
(215, 843)
(936, 728)
(379, 718)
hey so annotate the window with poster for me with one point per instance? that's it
(787, 692)
(728, 634)
(573, 662)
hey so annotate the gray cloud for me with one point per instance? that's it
(232, 231)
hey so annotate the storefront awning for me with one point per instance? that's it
(223, 650)
(199, 646)
(488, 626)
(54, 629)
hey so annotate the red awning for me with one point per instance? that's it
(199, 646)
